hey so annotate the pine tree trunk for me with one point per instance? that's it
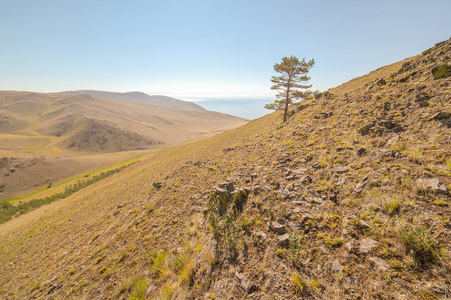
(287, 99)
(285, 112)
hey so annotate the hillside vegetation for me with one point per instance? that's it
(349, 199)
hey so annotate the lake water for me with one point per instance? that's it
(245, 108)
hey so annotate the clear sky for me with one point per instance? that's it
(206, 48)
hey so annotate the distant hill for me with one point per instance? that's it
(49, 125)
(87, 123)
(137, 97)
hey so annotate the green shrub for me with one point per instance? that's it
(418, 240)
(441, 71)
(298, 283)
(138, 287)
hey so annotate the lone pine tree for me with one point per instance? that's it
(290, 83)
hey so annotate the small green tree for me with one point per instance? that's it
(290, 83)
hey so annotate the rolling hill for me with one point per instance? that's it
(56, 125)
(138, 97)
(349, 199)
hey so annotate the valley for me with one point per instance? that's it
(46, 138)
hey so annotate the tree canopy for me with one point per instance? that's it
(291, 84)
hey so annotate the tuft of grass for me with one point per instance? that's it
(210, 257)
(315, 284)
(419, 242)
(297, 283)
(168, 292)
(150, 208)
(396, 264)
(441, 203)
(331, 242)
(138, 287)
(159, 264)
(187, 273)
(391, 205)
(281, 252)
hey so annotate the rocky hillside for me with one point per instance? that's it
(349, 199)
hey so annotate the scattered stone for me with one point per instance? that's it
(432, 185)
(315, 166)
(336, 267)
(381, 82)
(441, 115)
(363, 225)
(257, 189)
(292, 226)
(361, 152)
(282, 221)
(261, 235)
(297, 210)
(292, 177)
(341, 181)
(422, 99)
(284, 239)
(359, 188)
(383, 171)
(339, 170)
(306, 179)
(305, 218)
(278, 228)
(300, 171)
(380, 263)
(351, 246)
(386, 181)
(366, 245)
(275, 184)
(285, 160)
(227, 186)
(158, 185)
(244, 283)
(390, 154)
(221, 191)
(365, 129)
(375, 284)
(150, 290)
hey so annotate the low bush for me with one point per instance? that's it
(419, 242)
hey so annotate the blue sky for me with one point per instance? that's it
(206, 48)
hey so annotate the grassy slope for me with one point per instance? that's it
(124, 237)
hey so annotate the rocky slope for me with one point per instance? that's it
(349, 199)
